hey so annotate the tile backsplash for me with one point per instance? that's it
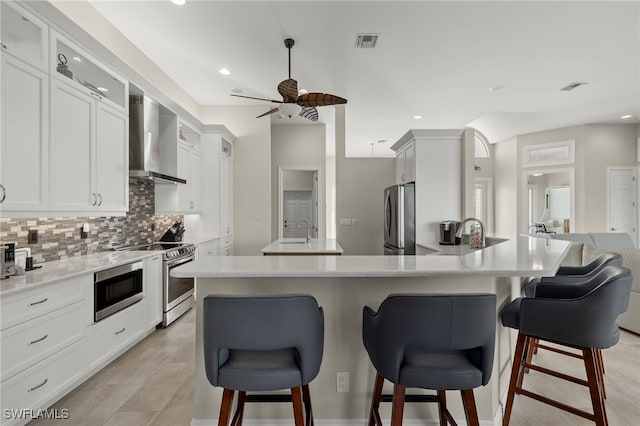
(59, 238)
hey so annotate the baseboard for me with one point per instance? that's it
(343, 422)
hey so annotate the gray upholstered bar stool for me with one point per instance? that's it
(585, 322)
(439, 342)
(575, 274)
(263, 344)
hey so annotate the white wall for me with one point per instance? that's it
(360, 183)
(506, 187)
(251, 174)
(295, 145)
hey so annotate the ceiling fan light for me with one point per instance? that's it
(290, 109)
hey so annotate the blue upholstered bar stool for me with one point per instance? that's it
(263, 344)
(585, 322)
(439, 342)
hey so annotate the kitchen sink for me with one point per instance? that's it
(293, 241)
(462, 249)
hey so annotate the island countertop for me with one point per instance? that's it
(517, 257)
(299, 246)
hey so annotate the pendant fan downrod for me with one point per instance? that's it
(289, 43)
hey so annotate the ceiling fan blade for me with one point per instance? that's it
(309, 113)
(319, 99)
(259, 99)
(271, 111)
(289, 90)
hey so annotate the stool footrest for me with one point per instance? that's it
(268, 398)
(387, 397)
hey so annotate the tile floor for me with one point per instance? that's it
(152, 384)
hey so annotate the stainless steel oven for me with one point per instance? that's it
(178, 292)
(116, 288)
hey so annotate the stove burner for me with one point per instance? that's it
(171, 250)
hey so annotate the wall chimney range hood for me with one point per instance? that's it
(144, 142)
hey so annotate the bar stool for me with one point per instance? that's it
(439, 342)
(263, 344)
(566, 285)
(575, 274)
(586, 323)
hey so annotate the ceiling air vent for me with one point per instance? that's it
(366, 41)
(573, 85)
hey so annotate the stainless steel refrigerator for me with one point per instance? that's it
(400, 219)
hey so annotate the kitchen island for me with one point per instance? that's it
(343, 285)
(302, 247)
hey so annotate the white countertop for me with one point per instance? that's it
(519, 256)
(68, 268)
(300, 246)
(461, 249)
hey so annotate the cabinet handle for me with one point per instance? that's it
(38, 302)
(100, 202)
(38, 340)
(95, 199)
(39, 386)
(95, 95)
(121, 331)
(4, 46)
(4, 193)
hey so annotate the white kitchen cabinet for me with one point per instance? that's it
(207, 248)
(89, 154)
(433, 160)
(405, 163)
(23, 35)
(180, 155)
(226, 246)
(24, 150)
(112, 336)
(153, 291)
(226, 195)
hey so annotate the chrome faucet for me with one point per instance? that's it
(306, 221)
(470, 219)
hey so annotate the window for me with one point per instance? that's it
(532, 197)
(483, 201)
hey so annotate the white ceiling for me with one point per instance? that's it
(434, 59)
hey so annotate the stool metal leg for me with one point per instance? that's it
(515, 373)
(306, 397)
(470, 411)
(225, 407)
(397, 405)
(237, 417)
(296, 399)
(442, 407)
(374, 414)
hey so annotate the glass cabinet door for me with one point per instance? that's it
(23, 35)
(74, 64)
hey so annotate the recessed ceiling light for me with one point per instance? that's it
(179, 2)
(102, 89)
(536, 174)
(573, 85)
(236, 91)
(417, 117)
(382, 141)
(495, 89)
(77, 59)
(224, 71)
(624, 117)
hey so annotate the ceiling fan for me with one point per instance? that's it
(292, 102)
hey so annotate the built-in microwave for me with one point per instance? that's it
(116, 288)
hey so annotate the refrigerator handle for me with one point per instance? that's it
(388, 212)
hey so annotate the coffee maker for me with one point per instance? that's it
(8, 259)
(448, 231)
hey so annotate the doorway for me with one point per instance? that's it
(548, 201)
(300, 195)
(621, 201)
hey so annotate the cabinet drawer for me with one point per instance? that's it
(30, 342)
(226, 241)
(107, 337)
(209, 248)
(28, 305)
(43, 383)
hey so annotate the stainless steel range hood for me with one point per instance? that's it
(144, 141)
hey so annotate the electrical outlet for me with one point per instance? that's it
(32, 237)
(342, 381)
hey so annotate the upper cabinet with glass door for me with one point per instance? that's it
(23, 35)
(72, 65)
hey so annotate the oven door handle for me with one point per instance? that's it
(176, 262)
